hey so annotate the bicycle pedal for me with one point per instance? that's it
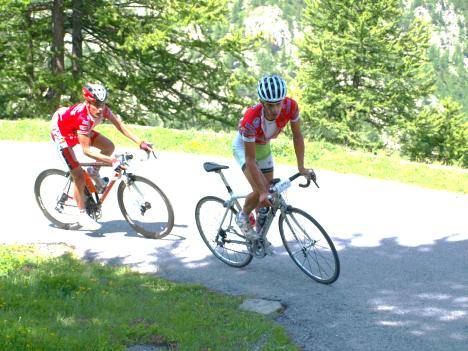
(256, 249)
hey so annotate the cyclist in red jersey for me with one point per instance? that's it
(74, 125)
(251, 147)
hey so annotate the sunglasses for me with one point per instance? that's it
(98, 103)
(272, 104)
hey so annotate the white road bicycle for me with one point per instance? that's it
(305, 240)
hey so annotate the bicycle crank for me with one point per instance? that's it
(257, 249)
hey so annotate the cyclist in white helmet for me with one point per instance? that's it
(261, 123)
(74, 125)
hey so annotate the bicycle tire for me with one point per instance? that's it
(222, 255)
(48, 213)
(168, 219)
(318, 234)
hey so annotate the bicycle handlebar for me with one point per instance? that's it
(148, 154)
(125, 157)
(313, 177)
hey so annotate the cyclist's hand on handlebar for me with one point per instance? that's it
(146, 146)
(117, 164)
(309, 174)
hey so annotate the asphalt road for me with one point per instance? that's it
(403, 251)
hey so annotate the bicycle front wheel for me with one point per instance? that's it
(145, 207)
(53, 190)
(309, 246)
(218, 229)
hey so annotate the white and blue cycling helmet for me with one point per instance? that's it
(271, 88)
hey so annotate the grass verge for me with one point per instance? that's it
(319, 155)
(63, 303)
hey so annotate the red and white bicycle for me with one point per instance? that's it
(143, 204)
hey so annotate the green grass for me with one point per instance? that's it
(319, 155)
(66, 304)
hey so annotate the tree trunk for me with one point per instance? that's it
(77, 39)
(30, 54)
(58, 33)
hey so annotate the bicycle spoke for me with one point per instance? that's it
(309, 246)
(228, 252)
(300, 227)
(216, 226)
(54, 195)
(316, 254)
(145, 207)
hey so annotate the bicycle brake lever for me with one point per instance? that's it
(149, 153)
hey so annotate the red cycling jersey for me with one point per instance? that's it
(252, 125)
(67, 123)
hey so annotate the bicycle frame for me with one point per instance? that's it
(278, 203)
(89, 183)
(99, 200)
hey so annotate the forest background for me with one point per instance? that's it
(367, 74)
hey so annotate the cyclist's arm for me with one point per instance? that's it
(85, 142)
(117, 122)
(252, 168)
(299, 147)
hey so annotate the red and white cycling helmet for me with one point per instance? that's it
(94, 92)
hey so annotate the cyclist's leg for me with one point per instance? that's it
(251, 201)
(105, 145)
(266, 162)
(266, 167)
(79, 183)
(238, 150)
(65, 145)
(77, 174)
(102, 143)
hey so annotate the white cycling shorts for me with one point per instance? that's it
(265, 164)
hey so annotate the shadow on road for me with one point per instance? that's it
(388, 296)
(405, 298)
(119, 226)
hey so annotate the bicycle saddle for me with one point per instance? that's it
(213, 167)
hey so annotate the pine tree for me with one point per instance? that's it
(161, 59)
(362, 73)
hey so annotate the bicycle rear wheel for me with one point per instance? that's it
(309, 246)
(145, 207)
(54, 194)
(218, 229)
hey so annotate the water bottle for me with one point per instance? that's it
(261, 217)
